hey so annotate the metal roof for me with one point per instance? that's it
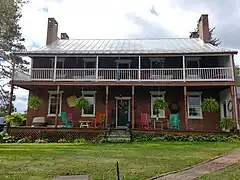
(129, 46)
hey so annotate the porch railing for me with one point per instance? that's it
(107, 74)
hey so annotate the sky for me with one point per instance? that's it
(127, 19)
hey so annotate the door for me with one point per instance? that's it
(123, 112)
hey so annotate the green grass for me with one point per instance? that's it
(137, 161)
(230, 173)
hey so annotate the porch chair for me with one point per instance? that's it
(64, 120)
(174, 122)
(144, 121)
(98, 120)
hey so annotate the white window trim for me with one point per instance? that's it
(94, 103)
(194, 94)
(160, 93)
(49, 101)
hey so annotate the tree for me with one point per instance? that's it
(10, 41)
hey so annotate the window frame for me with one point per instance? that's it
(49, 102)
(188, 106)
(157, 93)
(93, 93)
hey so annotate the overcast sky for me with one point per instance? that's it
(127, 19)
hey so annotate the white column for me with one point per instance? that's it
(55, 69)
(184, 71)
(139, 68)
(236, 107)
(232, 66)
(97, 68)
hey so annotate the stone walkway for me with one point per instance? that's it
(204, 168)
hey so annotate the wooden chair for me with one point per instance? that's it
(144, 121)
(98, 120)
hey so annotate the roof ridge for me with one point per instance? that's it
(126, 38)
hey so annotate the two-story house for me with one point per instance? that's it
(122, 78)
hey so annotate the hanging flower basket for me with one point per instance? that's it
(160, 104)
(210, 105)
(34, 103)
(82, 103)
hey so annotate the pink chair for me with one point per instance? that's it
(144, 121)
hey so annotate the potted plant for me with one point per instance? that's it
(34, 103)
(210, 105)
(227, 124)
(160, 104)
(82, 103)
(15, 119)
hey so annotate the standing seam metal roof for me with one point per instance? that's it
(129, 46)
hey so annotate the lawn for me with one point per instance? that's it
(137, 161)
(230, 173)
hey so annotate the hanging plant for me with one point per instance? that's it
(82, 103)
(210, 105)
(160, 104)
(34, 103)
(15, 119)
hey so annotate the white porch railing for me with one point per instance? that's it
(107, 74)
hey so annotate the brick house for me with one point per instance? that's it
(126, 75)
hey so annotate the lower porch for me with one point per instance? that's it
(123, 106)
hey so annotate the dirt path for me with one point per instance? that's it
(204, 168)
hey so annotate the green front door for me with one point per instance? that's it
(123, 116)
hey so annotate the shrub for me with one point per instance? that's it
(15, 119)
(81, 141)
(227, 123)
(25, 140)
(41, 141)
(6, 138)
(63, 141)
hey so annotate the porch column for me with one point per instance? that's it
(139, 68)
(57, 107)
(55, 68)
(233, 104)
(97, 68)
(185, 108)
(184, 71)
(132, 107)
(233, 73)
(106, 110)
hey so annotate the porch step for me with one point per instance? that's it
(118, 136)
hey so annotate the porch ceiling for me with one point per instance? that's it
(128, 46)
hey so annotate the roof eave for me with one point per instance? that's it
(32, 54)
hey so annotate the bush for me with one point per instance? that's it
(41, 141)
(63, 141)
(25, 140)
(81, 141)
(34, 103)
(6, 138)
(210, 105)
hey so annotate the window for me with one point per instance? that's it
(90, 97)
(194, 105)
(154, 96)
(53, 102)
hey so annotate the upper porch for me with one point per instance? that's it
(129, 68)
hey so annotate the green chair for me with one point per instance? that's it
(174, 122)
(64, 120)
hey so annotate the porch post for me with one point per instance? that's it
(132, 107)
(55, 68)
(233, 104)
(184, 71)
(185, 108)
(139, 68)
(97, 68)
(106, 110)
(231, 58)
(57, 106)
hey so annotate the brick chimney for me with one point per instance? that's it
(52, 31)
(64, 36)
(203, 28)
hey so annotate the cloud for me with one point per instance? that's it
(126, 19)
